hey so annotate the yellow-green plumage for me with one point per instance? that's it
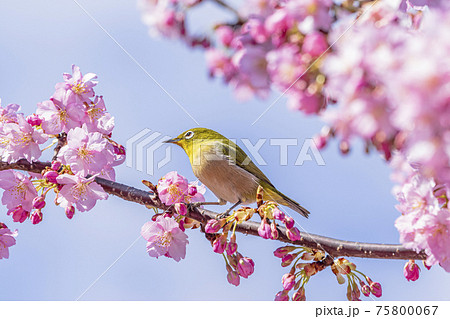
(227, 171)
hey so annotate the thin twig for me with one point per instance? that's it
(334, 247)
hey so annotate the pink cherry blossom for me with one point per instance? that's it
(60, 113)
(172, 188)
(19, 215)
(78, 86)
(79, 191)
(162, 18)
(7, 239)
(98, 119)
(20, 140)
(85, 152)
(19, 191)
(8, 114)
(165, 238)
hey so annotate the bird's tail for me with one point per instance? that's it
(271, 193)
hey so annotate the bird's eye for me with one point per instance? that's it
(188, 135)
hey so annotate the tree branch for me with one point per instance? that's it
(333, 247)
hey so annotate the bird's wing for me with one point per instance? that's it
(235, 154)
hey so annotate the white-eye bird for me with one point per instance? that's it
(227, 171)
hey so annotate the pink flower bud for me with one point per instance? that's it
(375, 288)
(289, 222)
(18, 214)
(288, 281)
(411, 271)
(278, 214)
(51, 176)
(245, 267)
(192, 190)
(299, 295)
(273, 230)
(36, 217)
(2, 225)
(233, 277)
(181, 225)
(70, 211)
(220, 244)
(56, 165)
(232, 245)
(180, 208)
(39, 202)
(293, 234)
(119, 149)
(282, 296)
(286, 260)
(264, 229)
(213, 226)
(282, 251)
(34, 120)
(365, 289)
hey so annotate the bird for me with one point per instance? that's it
(224, 168)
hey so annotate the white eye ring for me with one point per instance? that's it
(188, 135)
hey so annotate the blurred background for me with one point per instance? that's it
(349, 198)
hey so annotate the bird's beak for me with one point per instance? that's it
(173, 140)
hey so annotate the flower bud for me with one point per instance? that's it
(56, 165)
(245, 267)
(282, 296)
(340, 279)
(220, 243)
(289, 222)
(180, 208)
(365, 289)
(34, 120)
(287, 260)
(282, 251)
(264, 229)
(288, 281)
(192, 190)
(51, 176)
(375, 289)
(293, 234)
(299, 295)
(39, 202)
(411, 271)
(232, 245)
(278, 214)
(2, 225)
(213, 225)
(233, 277)
(273, 231)
(36, 216)
(70, 211)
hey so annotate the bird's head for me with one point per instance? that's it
(195, 139)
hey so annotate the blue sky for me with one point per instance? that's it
(349, 197)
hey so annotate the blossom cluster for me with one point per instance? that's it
(165, 233)
(372, 70)
(302, 270)
(75, 119)
(425, 220)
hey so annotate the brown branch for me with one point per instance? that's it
(333, 247)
